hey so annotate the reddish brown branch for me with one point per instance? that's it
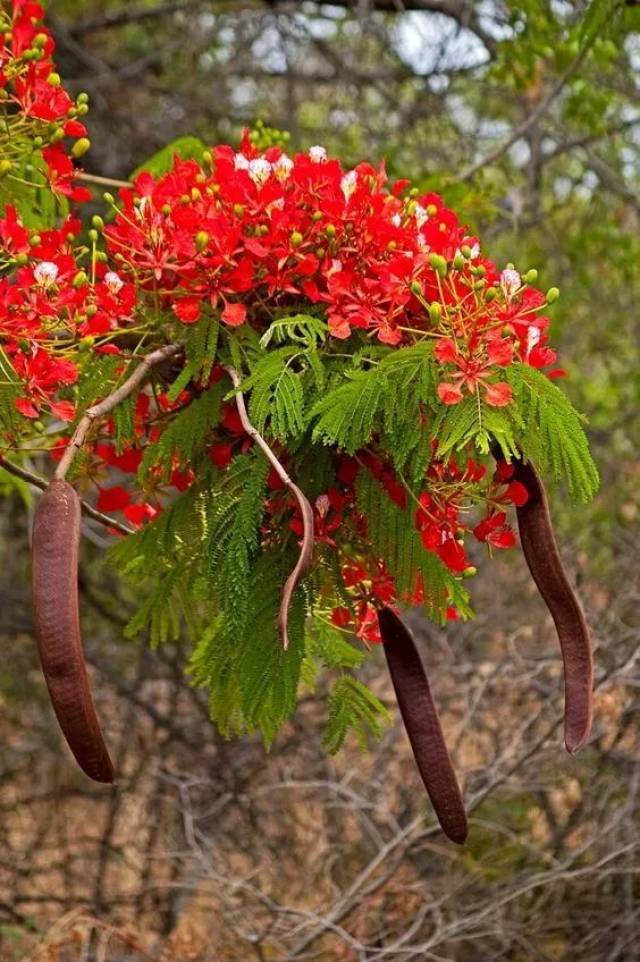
(421, 721)
(545, 564)
(42, 484)
(110, 402)
(306, 551)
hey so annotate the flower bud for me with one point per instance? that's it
(431, 210)
(91, 310)
(82, 98)
(238, 210)
(86, 343)
(82, 110)
(5, 166)
(79, 280)
(490, 294)
(58, 135)
(470, 571)
(101, 256)
(435, 312)
(39, 426)
(207, 158)
(330, 230)
(166, 209)
(416, 288)
(81, 147)
(439, 264)
(552, 295)
(54, 79)
(531, 276)
(34, 240)
(108, 198)
(97, 222)
(317, 215)
(296, 239)
(40, 39)
(202, 239)
(92, 235)
(458, 261)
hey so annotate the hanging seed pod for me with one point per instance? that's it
(56, 536)
(543, 558)
(422, 725)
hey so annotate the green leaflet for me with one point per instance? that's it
(235, 514)
(352, 706)
(552, 434)
(346, 414)
(393, 535)
(186, 435)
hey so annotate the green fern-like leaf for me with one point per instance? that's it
(346, 414)
(552, 434)
(353, 707)
(185, 436)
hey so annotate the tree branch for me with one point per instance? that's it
(529, 121)
(107, 404)
(42, 484)
(306, 551)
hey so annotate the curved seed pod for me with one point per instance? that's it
(56, 536)
(543, 558)
(422, 724)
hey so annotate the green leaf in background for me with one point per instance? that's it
(185, 148)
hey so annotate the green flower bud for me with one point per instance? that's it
(296, 239)
(470, 571)
(97, 222)
(39, 426)
(552, 295)
(320, 253)
(80, 279)
(202, 239)
(91, 310)
(207, 158)
(490, 293)
(101, 257)
(317, 215)
(38, 141)
(86, 343)
(531, 276)
(57, 135)
(5, 166)
(34, 240)
(458, 261)
(24, 345)
(108, 198)
(82, 98)
(21, 259)
(81, 147)
(416, 288)
(40, 39)
(465, 250)
(238, 210)
(435, 312)
(439, 264)
(92, 235)
(82, 110)
(54, 79)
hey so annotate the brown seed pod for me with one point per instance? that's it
(422, 725)
(543, 558)
(56, 536)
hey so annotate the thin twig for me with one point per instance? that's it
(531, 120)
(306, 550)
(102, 181)
(107, 404)
(42, 483)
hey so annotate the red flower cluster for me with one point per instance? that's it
(258, 232)
(33, 98)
